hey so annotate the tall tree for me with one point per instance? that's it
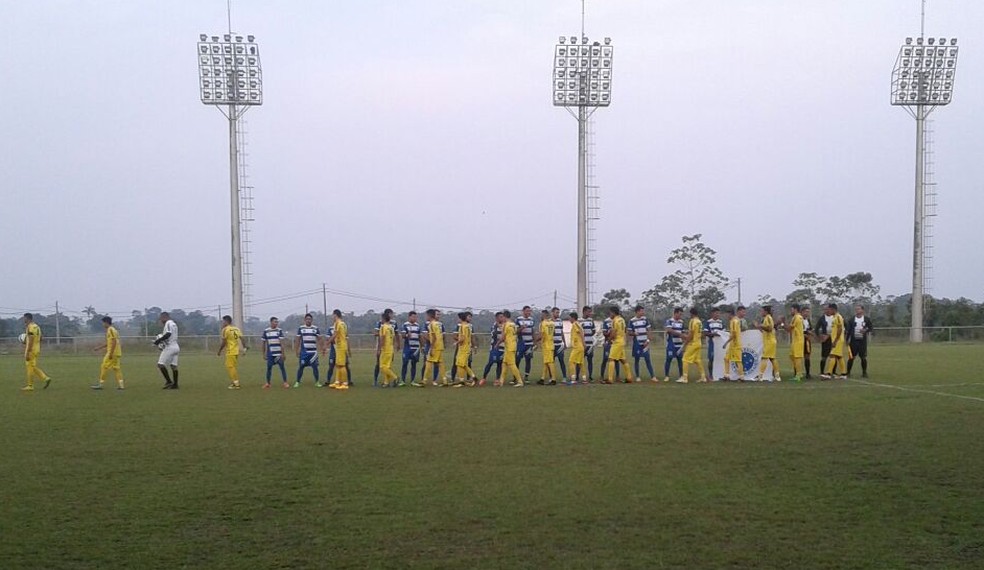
(618, 297)
(696, 281)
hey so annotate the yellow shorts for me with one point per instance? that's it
(386, 358)
(769, 350)
(461, 359)
(435, 355)
(691, 355)
(617, 352)
(111, 362)
(548, 354)
(232, 360)
(733, 354)
(341, 355)
(577, 356)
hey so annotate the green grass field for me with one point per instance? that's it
(817, 475)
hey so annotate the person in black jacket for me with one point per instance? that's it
(858, 328)
(822, 331)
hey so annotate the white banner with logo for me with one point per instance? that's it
(751, 356)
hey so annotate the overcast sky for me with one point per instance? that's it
(409, 149)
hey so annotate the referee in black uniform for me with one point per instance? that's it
(822, 330)
(857, 330)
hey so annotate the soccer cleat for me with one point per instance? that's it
(417, 385)
(167, 386)
(286, 385)
(864, 374)
(266, 386)
(342, 387)
(401, 384)
(778, 379)
(47, 382)
(120, 388)
(541, 382)
(758, 379)
(797, 379)
(552, 383)
(682, 380)
(667, 379)
(234, 386)
(319, 385)
(519, 384)
(481, 383)
(841, 377)
(654, 380)
(96, 387)
(703, 381)
(825, 376)
(297, 384)
(607, 382)
(27, 389)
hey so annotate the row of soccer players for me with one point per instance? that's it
(428, 340)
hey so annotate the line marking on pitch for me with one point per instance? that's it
(918, 391)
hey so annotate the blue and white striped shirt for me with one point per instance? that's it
(411, 334)
(589, 327)
(525, 330)
(274, 341)
(676, 325)
(640, 326)
(309, 339)
(558, 333)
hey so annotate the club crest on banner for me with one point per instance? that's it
(751, 355)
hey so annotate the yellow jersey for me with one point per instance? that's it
(510, 337)
(435, 335)
(734, 334)
(796, 331)
(341, 336)
(387, 332)
(577, 336)
(231, 336)
(696, 332)
(837, 330)
(111, 335)
(618, 330)
(465, 335)
(546, 334)
(34, 332)
(768, 329)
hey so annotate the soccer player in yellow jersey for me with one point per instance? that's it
(510, 342)
(769, 344)
(732, 346)
(387, 348)
(691, 349)
(464, 343)
(576, 361)
(113, 354)
(32, 351)
(232, 340)
(617, 353)
(546, 334)
(339, 339)
(434, 337)
(797, 339)
(835, 362)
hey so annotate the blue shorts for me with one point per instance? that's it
(524, 351)
(674, 351)
(274, 359)
(411, 354)
(638, 351)
(495, 356)
(607, 351)
(310, 359)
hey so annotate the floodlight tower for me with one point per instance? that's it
(230, 77)
(922, 80)
(582, 80)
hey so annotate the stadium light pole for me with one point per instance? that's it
(922, 80)
(230, 77)
(582, 80)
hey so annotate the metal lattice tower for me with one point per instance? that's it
(247, 215)
(594, 211)
(929, 205)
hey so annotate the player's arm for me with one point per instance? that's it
(221, 346)
(163, 338)
(112, 345)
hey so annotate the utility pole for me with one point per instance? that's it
(57, 324)
(324, 301)
(739, 290)
(555, 298)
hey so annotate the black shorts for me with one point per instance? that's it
(825, 347)
(859, 347)
(807, 347)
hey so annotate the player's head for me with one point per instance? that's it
(431, 314)
(337, 314)
(28, 318)
(766, 309)
(694, 312)
(545, 314)
(463, 316)
(527, 311)
(677, 312)
(613, 311)
(107, 321)
(165, 317)
(274, 322)
(805, 310)
(506, 315)
(859, 310)
(586, 311)
(412, 316)
(573, 316)
(437, 313)
(388, 312)
(740, 311)
(555, 312)
(715, 312)
(227, 320)
(639, 310)
(308, 319)
(795, 309)
(831, 308)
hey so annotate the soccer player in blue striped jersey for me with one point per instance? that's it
(411, 347)
(496, 348)
(375, 334)
(273, 347)
(675, 329)
(639, 328)
(560, 344)
(527, 342)
(712, 329)
(306, 347)
(590, 331)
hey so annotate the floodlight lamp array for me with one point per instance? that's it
(924, 72)
(582, 74)
(229, 71)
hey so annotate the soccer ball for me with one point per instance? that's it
(22, 338)
(160, 346)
